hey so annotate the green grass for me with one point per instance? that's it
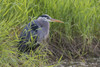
(79, 36)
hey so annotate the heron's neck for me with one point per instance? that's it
(44, 31)
(44, 25)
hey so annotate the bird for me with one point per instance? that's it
(35, 33)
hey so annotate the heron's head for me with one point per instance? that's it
(48, 19)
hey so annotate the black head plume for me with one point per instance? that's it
(46, 16)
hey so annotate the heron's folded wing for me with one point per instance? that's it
(28, 34)
(30, 29)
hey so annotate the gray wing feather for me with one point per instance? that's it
(28, 33)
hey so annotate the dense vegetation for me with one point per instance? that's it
(78, 37)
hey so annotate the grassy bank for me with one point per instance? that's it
(78, 37)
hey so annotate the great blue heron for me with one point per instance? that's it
(35, 32)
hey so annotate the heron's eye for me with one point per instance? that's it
(47, 17)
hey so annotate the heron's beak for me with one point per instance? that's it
(55, 20)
